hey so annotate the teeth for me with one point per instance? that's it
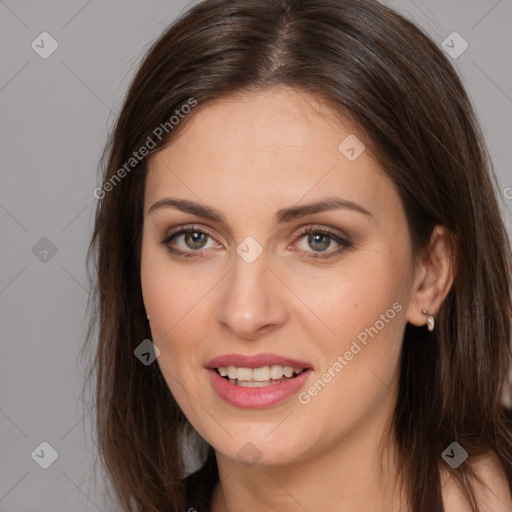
(288, 371)
(256, 375)
(276, 371)
(253, 384)
(243, 373)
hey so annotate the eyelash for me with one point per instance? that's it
(345, 244)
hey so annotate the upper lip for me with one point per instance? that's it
(255, 361)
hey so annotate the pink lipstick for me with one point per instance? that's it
(257, 381)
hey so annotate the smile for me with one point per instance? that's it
(257, 381)
(258, 377)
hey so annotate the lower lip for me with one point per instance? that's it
(256, 398)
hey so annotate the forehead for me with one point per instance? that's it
(265, 149)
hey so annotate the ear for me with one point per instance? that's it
(433, 278)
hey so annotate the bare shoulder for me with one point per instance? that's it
(494, 496)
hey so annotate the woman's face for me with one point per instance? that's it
(247, 292)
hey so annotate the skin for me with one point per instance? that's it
(248, 157)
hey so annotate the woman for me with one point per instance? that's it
(302, 272)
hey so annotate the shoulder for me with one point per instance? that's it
(493, 496)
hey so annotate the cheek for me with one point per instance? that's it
(175, 296)
(164, 293)
(365, 312)
(337, 302)
(167, 293)
(174, 303)
(366, 293)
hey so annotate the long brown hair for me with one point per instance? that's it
(376, 68)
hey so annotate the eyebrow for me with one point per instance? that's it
(283, 215)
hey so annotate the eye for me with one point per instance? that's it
(193, 238)
(320, 239)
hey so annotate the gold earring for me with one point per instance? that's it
(431, 321)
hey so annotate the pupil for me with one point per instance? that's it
(194, 236)
(314, 238)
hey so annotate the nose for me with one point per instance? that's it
(252, 302)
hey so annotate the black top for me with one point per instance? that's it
(199, 486)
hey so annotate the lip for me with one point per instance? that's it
(255, 361)
(257, 398)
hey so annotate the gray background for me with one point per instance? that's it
(55, 115)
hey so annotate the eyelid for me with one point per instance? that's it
(182, 229)
(333, 233)
(325, 228)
